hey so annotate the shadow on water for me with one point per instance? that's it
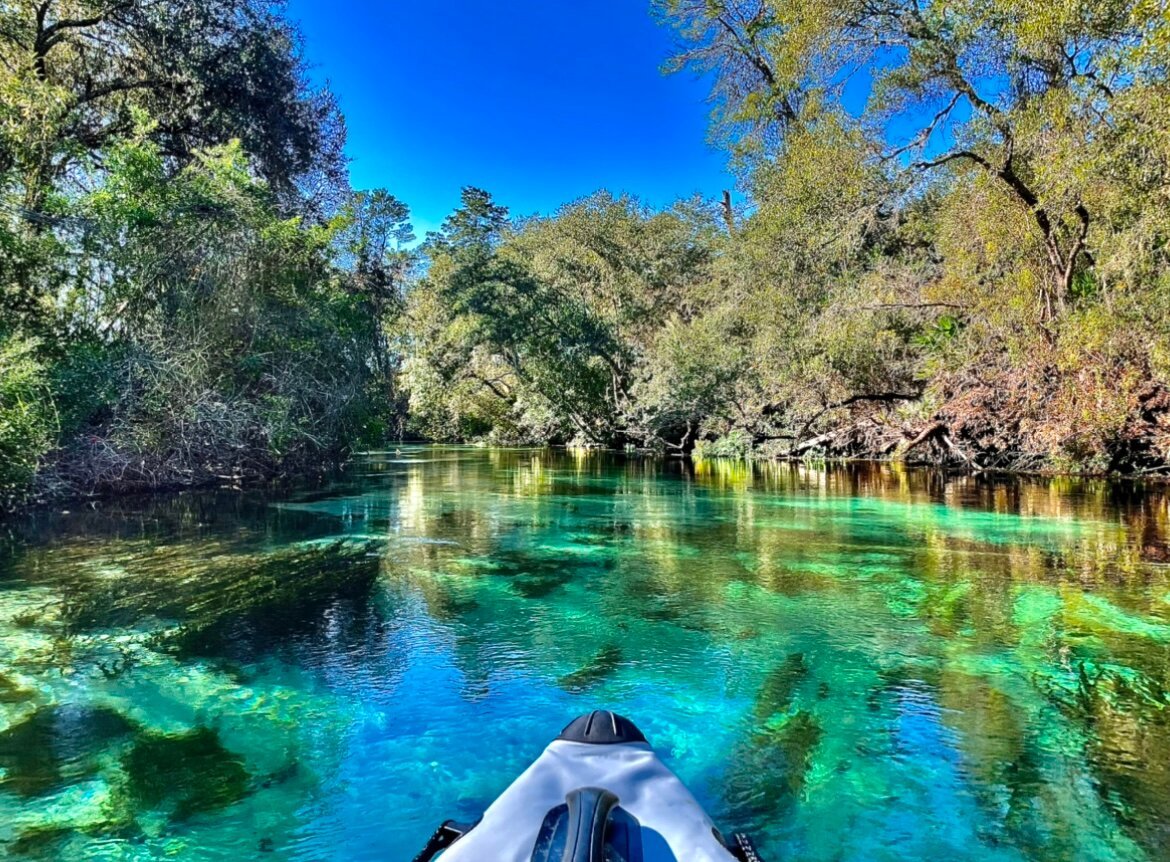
(57, 745)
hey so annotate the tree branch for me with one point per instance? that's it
(878, 305)
(846, 402)
(753, 55)
(922, 137)
(950, 157)
(52, 35)
(490, 384)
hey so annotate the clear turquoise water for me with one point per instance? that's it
(857, 663)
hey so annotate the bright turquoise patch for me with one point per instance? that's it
(852, 664)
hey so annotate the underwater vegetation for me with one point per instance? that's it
(185, 600)
(768, 767)
(57, 745)
(1126, 722)
(852, 664)
(603, 664)
(107, 689)
(272, 599)
(178, 774)
(188, 773)
(779, 688)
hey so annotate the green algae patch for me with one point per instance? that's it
(41, 842)
(57, 745)
(1126, 723)
(1102, 616)
(779, 687)
(186, 774)
(905, 596)
(1035, 607)
(769, 770)
(535, 588)
(12, 692)
(951, 605)
(603, 665)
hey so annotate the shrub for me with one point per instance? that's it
(736, 444)
(28, 418)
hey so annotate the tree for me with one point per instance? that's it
(188, 288)
(554, 317)
(374, 245)
(1036, 100)
(245, 343)
(730, 40)
(83, 73)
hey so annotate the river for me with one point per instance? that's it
(851, 663)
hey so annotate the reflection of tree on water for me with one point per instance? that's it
(839, 648)
(1125, 724)
(950, 564)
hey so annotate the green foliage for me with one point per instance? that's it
(215, 304)
(537, 331)
(82, 74)
(84, 381)
(691, 374)
(975, 267)
(28, 421)
(940, 331)
(976, 264)
(878, 282)
(242, 321)
(735, 444)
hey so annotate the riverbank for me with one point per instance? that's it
(73, 481)
(986, 430)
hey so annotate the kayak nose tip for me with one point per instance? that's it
(602, 727)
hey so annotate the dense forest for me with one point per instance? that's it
(190, 291)
(953, 246)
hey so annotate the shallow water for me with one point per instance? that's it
(853, 664)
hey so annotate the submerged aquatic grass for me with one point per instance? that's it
(854, 663)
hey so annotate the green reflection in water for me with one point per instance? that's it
(852, 663)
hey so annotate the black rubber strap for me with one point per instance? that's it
(742, 848)
(589, 811)
(444, 837)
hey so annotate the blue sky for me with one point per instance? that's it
(538, 101)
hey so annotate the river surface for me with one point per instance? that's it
(855, 663)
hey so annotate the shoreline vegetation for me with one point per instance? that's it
(969, 266)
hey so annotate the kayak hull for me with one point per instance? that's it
(674, 828)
